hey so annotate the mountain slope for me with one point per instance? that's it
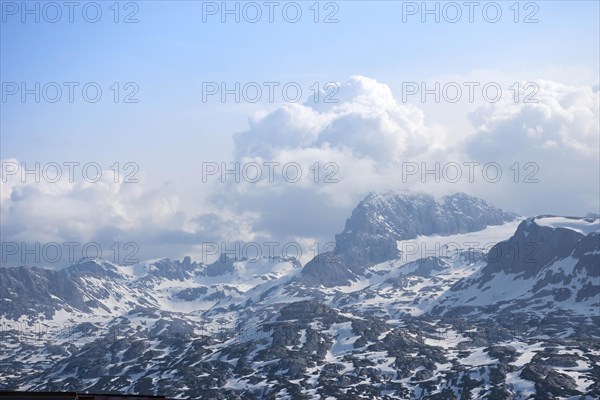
(468, 317)
(550, 263)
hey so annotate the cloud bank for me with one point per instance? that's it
(367, 141)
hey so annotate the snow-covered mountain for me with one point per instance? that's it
(98, 287)
(381, 220)
(421, 298)
(549, 264)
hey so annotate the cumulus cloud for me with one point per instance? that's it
(365, 142)
(366, 120)
(560, 133)
(343, 150)
(50, 211)
(366, 133)
(376, 142)
(565, 120)
(43, 212)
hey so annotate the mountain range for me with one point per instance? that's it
(421, 298)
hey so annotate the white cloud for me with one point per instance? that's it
(564, 120)
(560, 133)
(368, 137)
(372, 137)
(51, 211)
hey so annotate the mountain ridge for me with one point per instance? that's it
(272, 328)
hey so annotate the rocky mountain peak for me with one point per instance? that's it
(380, 220)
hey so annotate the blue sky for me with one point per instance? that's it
(170, 52)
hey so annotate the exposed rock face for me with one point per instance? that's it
(520, 321)
(429, 266)
(223, 265)
(380, 220)
(533, 247)
(191, 294)
(25, 290)
(554, 266)
(328, 270)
